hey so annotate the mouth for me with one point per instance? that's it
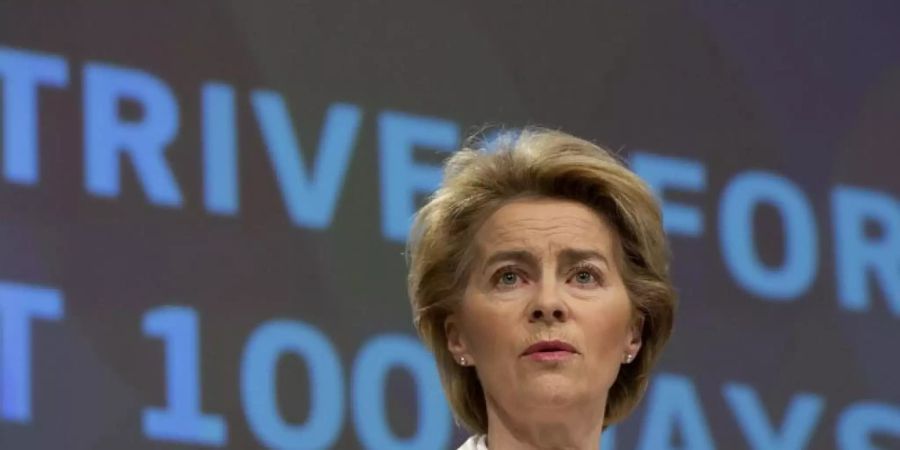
(555, 350)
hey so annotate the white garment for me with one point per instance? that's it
(475, 443)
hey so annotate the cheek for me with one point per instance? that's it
(606, 329)
(489, 327)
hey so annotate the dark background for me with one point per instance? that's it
(806, 90)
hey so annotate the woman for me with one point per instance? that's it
(539, 280)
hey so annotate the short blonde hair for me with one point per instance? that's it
(536, 162)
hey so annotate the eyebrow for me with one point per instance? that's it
(523, 256)
(566, 257)
(570, 256)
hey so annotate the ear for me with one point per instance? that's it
(635, 335)
(456, 342)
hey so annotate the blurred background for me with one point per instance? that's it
(203, 209)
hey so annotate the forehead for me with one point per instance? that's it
(543, 223)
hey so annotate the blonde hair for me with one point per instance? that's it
(540, 163)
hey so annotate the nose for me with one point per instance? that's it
(539, 314)
(548, 307)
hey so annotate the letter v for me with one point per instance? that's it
(310, 199)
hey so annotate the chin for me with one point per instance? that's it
(555, 390)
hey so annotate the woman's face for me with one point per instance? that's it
(545, 317)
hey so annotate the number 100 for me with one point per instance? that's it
(182, 420)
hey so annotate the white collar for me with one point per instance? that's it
(475, 443)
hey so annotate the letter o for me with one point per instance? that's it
(736, 238)
(265, 346)
(370, 370)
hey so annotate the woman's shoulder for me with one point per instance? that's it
(474, 443)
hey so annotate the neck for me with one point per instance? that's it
(537, 428)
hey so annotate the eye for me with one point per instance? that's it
(509, 278)
(586, 275)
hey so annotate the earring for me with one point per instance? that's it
(462, 360)
(628, 358)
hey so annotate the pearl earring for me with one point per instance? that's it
(462, 360)
(628, 358)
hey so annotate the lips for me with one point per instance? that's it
(549, 347)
